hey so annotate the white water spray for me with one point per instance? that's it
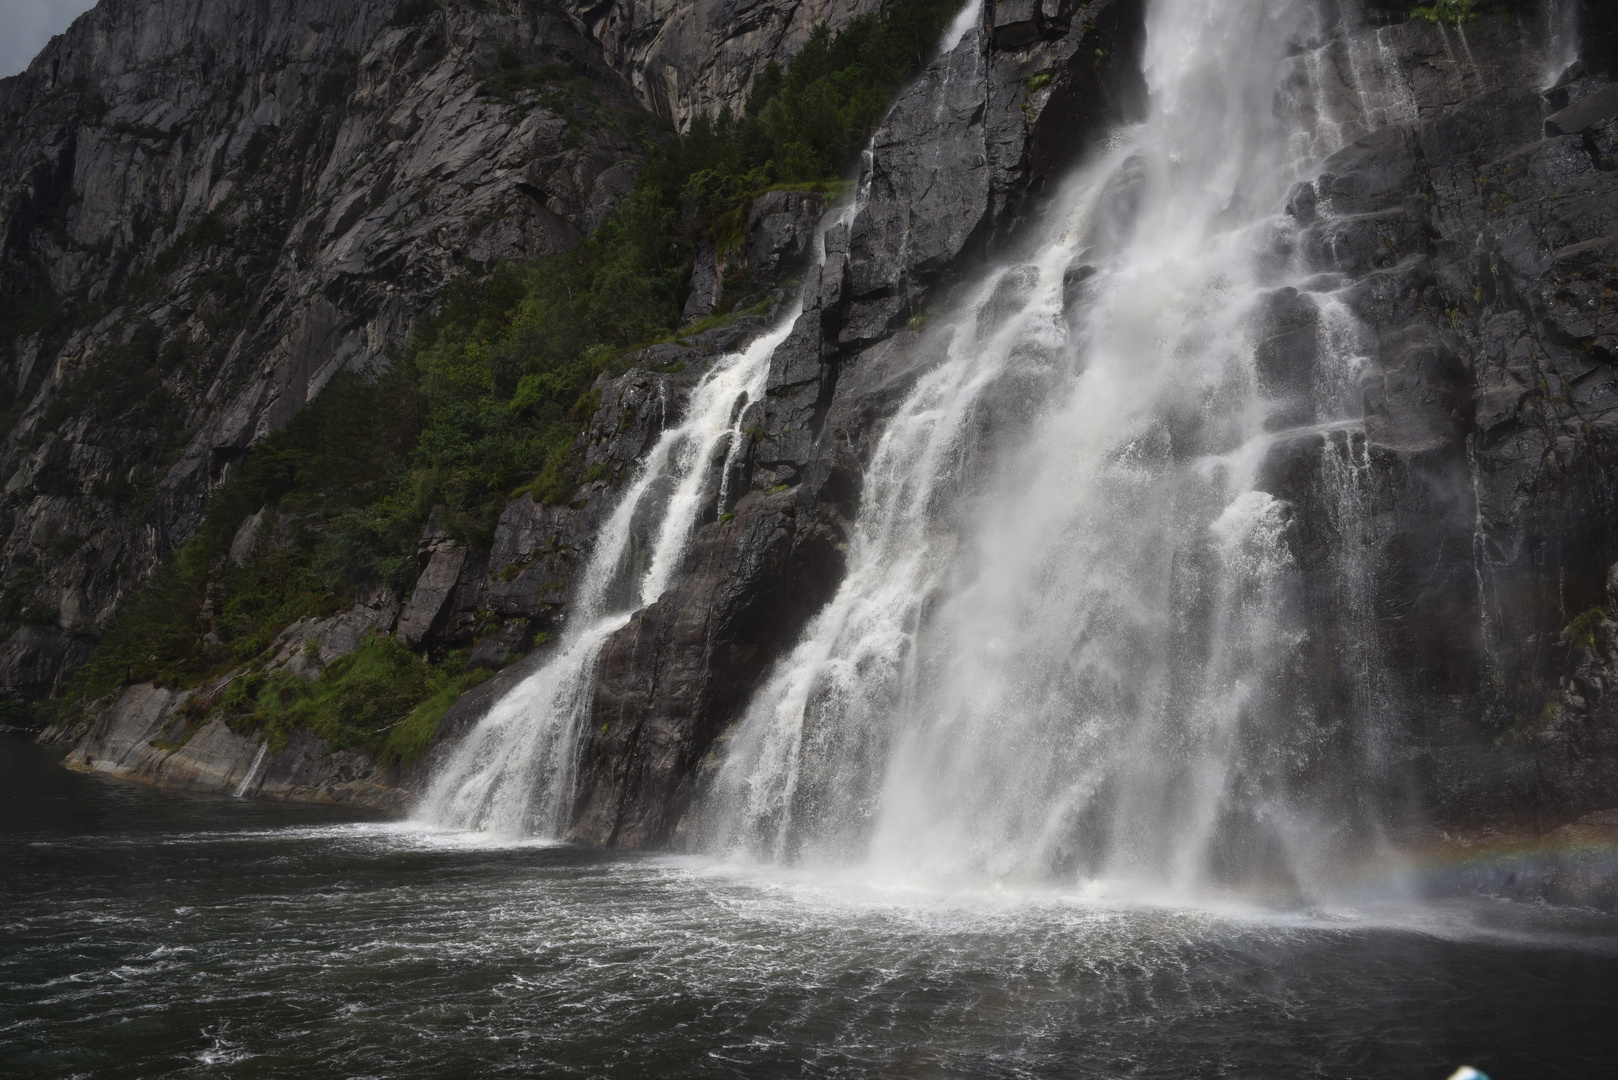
(1070, 648)
(252, 770)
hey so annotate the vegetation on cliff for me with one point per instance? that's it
(485, 401)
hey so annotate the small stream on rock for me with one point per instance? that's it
(155, 933)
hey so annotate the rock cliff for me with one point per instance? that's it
(1468, 224)
(207, 209)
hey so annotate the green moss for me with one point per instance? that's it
(1583, 627)
(1455, 12)
(413, 735)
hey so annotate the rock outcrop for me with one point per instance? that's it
(698, 56)
(139, 738)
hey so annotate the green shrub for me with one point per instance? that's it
(1583, 627)
(381, 699)
(1446, 11)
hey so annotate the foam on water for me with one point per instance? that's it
(280, 941)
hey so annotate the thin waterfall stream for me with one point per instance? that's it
(513, 773)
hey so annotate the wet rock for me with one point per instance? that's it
(704, 295)
(429, 602)
(669, 680)
(780, 230)
(499, 648)
(1601, 105)
(142, 737)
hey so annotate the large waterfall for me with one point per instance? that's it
(1075, 640)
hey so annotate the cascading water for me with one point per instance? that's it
(513, 773)
(1071, 640)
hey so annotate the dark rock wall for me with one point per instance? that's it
(1471, 234)
(235, 200)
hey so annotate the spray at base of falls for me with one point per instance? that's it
(1072, 650)
(513, 774)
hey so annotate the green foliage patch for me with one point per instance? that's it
(381, 699)
(1454, 12)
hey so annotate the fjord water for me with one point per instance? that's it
(150, 933)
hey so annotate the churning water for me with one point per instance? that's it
(150, 933)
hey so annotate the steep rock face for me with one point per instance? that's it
(1466, 225)
(209, 208)
(691, 57)
(1472, 233)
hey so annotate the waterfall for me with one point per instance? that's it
(513, 773)
(252, 770)
(1075, 641)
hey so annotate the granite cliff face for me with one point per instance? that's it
(209, 209)
(1467, 223)
(698, 56)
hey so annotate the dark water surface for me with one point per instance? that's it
(149, 933)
